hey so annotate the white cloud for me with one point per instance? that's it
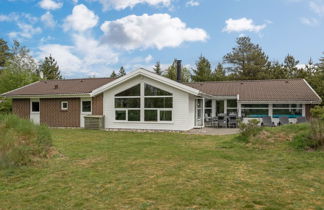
(149, 31)
(75, 1)
(50, 4)
(48, 20)
(192, 3)
(123, 4)
(81, 19)
(85, 57)
(317, 7)
(9, 17)
(148, 58)
(242, 24)
(26, 31)
(309, 21)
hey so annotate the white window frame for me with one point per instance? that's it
(142, 106)
(85, 100)
(31, 106)
(67, 105)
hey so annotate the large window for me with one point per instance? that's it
(208, 107)
(287, 110)
(255, 110)
(128, 104)
(232, 106)
(86, 106)
(157, 105)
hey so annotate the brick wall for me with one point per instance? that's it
(97, 105)
(21, 108)
(52, 115)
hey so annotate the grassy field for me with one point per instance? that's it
(119, 170)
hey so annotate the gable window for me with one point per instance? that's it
(157, 104)
(64, 105)
(35, 106)
(86, 106)
(128, 104)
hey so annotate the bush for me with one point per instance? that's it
(21, 141)
(249, 129)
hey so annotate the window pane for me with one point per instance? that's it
(153, 91)
(219, 107)
(127, 102)
(165, 115)
(86, 106)
(280, 105)
(254, 113)
(150, 115)
(64, 105)
(120, 115)
(208, 112)
(230, 111)
(134, 115)
(158, 102)
(291, 113)
(232, 103)
(35, 106)
(208, 103)
(133, 91)
(255, 105)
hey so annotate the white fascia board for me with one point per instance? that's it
(52, 96)
(3, 94)
(278, 102)
(320, 99)
(150, 75)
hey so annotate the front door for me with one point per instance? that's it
(35, 111)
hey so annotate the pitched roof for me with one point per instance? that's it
(261, 90)
(60, 87)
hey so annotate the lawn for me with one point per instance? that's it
(119, 170)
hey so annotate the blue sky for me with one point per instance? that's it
(94, 37)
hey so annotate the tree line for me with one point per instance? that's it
(248, 61)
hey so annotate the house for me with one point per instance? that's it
(145, 100)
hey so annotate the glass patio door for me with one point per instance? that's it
(199, 112)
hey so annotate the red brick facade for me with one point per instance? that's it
(21, 108)
(97, 105)
(52, 115)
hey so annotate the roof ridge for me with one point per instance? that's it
(228, 81)
(78, 79)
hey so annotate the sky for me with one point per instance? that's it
(91, 38)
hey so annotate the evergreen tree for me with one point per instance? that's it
(113, 74)
(219, 73)
(171, 73)
(203, 70)
(157, 68)
(247, 60)
(290, 66)
(5, 53)
(122, 72)
(50, 69)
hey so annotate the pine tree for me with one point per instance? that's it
(113, 74)
(203, 70)
(122, 72)
(50, 69)
(247, 60)
(157, 68)
(219, 73)
(5, 53)
(290, 65)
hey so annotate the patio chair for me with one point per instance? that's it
(301, 120)
(208, 120)
(232, 121)
(221, 121)
(283, 121)
(266, 121)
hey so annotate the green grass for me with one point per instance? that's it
(118, 170)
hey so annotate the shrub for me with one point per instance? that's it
(249, 129)
(318, 112)
(21, 141)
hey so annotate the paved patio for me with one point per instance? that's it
(213, 131)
